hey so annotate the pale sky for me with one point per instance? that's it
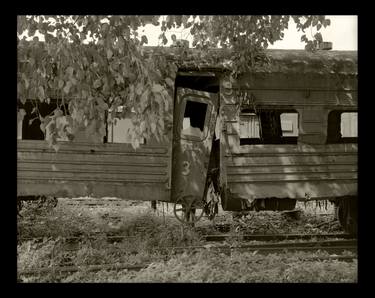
(342, 33)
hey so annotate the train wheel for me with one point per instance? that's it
(188, 210)
(347, 213)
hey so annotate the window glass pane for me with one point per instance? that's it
(194, 119)
(349, 125)
(289, 124)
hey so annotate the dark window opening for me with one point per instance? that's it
(194, 119)
(268, 127)
(342, 127)
(196, 82)
(31, 122)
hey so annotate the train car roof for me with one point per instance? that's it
(281, 61)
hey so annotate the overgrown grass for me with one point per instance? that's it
(145, 232)
(211, 266)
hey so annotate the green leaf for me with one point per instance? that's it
(69, 119)
(58, 113)
(144, 99)
(166, 105)
(158, 98)
(67, 87)
(102, 104)
(84, 94)
(144, 40)
(70, 71)
(42, 96)
(97, 83)
(73, 81)
(61, 83)
(32, 61)
(153, 127)
(26, 81)
(142, 126)
(109, 54)
(139, 88)
(42, 127)
(19, 88)
(169, 82)
(157, 88)
(326, 23)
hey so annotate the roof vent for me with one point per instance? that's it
(325, 45)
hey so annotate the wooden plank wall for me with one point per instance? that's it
(96, 170)
(308, 169)
(293, 171)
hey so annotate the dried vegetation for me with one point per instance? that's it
(145, 231)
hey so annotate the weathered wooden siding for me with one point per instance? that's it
(293, 171)
(97, 170)
(309, 169)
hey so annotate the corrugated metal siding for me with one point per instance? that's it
(84, 169)
(262, 171)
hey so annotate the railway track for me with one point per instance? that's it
(330, 246)
(209, 238)
(333, 247)
(138, 267)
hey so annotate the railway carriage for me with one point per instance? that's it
(261, 141)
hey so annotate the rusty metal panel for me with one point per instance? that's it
(293, 171)
(97, 170)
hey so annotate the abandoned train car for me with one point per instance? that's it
(262, 141)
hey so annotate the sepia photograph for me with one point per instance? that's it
(187, 149)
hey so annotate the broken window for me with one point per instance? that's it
(29, 128)
(342, 127)
(289, 124)
(194, 119)
(121, 126)
(268, 127)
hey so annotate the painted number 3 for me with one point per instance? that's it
(186, 168)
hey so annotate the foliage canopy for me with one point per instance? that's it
(94, 64)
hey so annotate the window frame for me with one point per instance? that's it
(334, 124)
(28, 107)
(254, 140)
(200, 99)
(290, 112)
(283, 140)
